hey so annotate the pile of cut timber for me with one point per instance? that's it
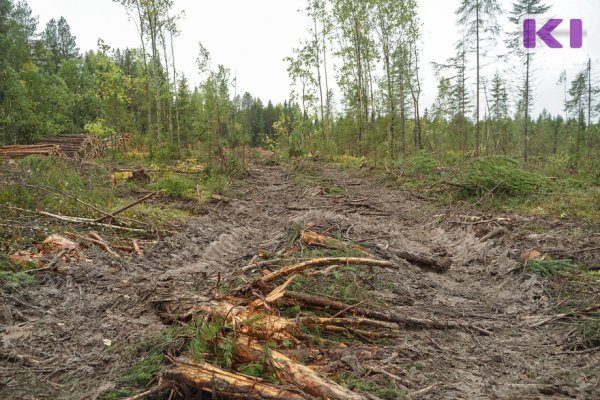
(83, 147)
(50, 150)
(77, 146)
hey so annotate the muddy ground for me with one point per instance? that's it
(55, 347)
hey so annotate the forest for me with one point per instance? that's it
(370, 50)
(165, 236)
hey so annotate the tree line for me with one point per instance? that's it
(372, 49)
(356, 87)
(48, 86)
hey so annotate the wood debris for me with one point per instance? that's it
(252, 321)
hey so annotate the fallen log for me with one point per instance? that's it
(227, 384)
(322, 262)
(442, 264)
(27, 150)
(267, 327)
(294, 373)
(353, 321)
(365, 312)
(77, 220)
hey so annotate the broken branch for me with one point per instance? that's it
(127, 207)
(322, 262)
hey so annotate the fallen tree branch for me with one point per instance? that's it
(322, 262)
(420, 393)
(52, 264)
(365, 312)
(77, 220)
(63, 193)
(156, 389)
(98, 242)
(295, 373)
(127, 207)
(442, 264)
(315, 239)
(137, 248)
(226, 384)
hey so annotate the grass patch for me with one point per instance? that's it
(176, 187)
(147, 360)
(552, 268)
(335, 190)
(348, 161)
(11, 280)
(386, 392)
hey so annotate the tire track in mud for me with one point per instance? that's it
(518, 361)
(98, 301)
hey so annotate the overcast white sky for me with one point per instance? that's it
(251, 37)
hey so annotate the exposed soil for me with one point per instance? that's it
(52, 339)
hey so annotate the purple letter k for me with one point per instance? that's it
(529, 33)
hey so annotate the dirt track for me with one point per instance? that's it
(60, 351)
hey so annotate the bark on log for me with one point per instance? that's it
(267, 327)
(226, 384)
(295, 373)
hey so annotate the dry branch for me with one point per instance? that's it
(97, 240)
(127, 207)
(77, 220)
(137, 248)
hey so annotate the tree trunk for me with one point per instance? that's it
(526, 127)
(170, 100)
(318, 65)
(477, 127)
(176, 91)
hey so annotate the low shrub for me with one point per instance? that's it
(176, 186)
(500, 175)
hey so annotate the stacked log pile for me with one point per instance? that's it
(77, 146)
(83, 147)
(50, 150)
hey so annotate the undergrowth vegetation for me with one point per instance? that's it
(577, 289)
(560, 186)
